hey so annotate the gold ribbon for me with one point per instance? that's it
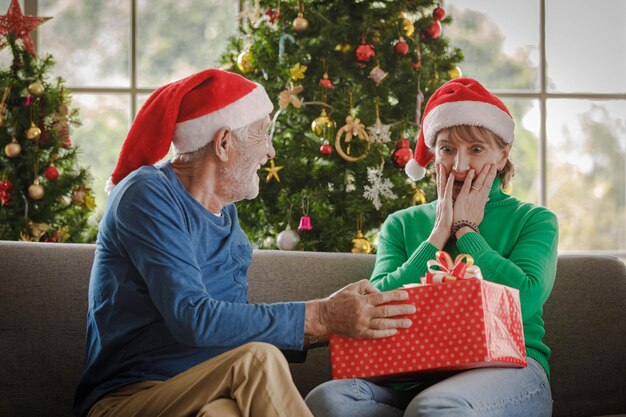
(444, 269)
(287, 97)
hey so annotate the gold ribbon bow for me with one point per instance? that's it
(287, 97)
(444, 269)
(354, 127)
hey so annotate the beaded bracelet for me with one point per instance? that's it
(462, 223)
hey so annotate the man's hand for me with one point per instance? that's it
(356, 311)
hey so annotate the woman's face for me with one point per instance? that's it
(458, 154)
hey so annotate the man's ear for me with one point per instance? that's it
(222, 143)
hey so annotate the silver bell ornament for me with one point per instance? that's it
(288, 239)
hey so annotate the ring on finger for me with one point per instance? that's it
(475, 188)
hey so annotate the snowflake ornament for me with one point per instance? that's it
(379, 186)
(379, 133)
(349, 181)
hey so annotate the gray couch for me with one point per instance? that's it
(43, 299)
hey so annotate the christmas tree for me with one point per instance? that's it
(350, 79)
(44, 195)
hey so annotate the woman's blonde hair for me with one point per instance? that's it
(468, 133)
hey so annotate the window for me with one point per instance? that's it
(113, 54)
(560, 74)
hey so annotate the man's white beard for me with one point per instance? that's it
(240, 182)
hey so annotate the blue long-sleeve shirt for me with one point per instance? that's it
(168, 288)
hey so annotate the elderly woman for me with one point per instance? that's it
(469, 133)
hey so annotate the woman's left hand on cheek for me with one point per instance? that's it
(470, 203)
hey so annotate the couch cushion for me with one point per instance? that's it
(43, 303)
(586, 330)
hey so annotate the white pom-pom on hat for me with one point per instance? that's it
(414, 170)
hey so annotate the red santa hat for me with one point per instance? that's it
(462, 101)
(187, 114)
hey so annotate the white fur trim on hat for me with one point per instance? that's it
(193, 134)
(472, 113)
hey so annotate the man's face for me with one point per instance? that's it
(239, 178)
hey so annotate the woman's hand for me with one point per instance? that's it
(470, 203)
(443, 223)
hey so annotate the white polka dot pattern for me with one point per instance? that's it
(458, 325)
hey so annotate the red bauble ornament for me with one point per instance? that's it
(402, 154)
(326, 149)
(439, 13)
(402, 48)
(52, 173)
(433, 32)
(6, 187)
(417, 65)
(364, 52)
(325, 82)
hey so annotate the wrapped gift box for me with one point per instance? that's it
(459, 324)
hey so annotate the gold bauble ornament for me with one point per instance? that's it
(322, 123)
(407, 27)
(418, 196)
(245, 62)
(36, 191)
(300, 24)
(360, 244)
(13, 149)
(455, 72)
(33, 132)
(36, 89)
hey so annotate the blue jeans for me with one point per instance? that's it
(485, 392)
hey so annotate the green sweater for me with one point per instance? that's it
(517, 247)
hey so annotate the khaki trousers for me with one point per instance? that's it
(252, 380)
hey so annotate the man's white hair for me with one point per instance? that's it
(240, 134)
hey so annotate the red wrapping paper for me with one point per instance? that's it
(464, 324)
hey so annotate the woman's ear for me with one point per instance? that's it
(505, 156)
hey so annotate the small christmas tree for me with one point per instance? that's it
(350, 79)
(44, 195)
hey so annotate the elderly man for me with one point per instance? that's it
(170, 331)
